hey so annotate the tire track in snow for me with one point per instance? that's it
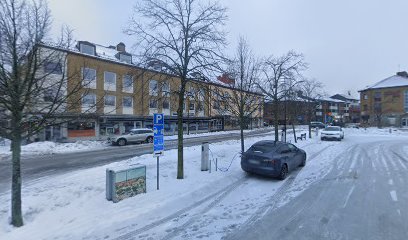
(219, 195)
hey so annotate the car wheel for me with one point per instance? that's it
(122, 142)
(322, 139)
(149, 139)
(284, 172)
(303, 163)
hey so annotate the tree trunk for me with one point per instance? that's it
(16, 213)
(180, 154)
(294, 132)
(310, 126)
(275, 120)
(242, 135)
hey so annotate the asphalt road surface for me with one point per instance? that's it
(37, 166)
(364, 196)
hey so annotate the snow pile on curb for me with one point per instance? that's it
(40, 148)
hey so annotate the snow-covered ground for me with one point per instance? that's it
(203, 205)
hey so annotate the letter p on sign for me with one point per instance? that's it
(158, 119)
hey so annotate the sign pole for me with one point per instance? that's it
(157, 172)
(158, 140)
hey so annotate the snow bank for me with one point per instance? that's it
(53, 147)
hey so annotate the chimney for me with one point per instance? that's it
(121, 47)
(402, 74)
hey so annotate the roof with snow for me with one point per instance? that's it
(398, 80)
(345, 96)
(327, 99)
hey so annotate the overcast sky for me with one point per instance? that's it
(348, 43)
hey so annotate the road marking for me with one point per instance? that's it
(348, 196)
(391, 182)
(393, 194)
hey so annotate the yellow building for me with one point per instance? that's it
(385, 103)
(117, 95)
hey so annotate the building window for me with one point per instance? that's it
(49, 95)
(191, 106)
(166, 104)
(110, 78)
(110, 100)
(152, 103)
(153, 88)
(200, 106)
(125, 58)
(377, 96)
(365, 107)
(166, 89)
(406, 101)
(89, 99)
(89, 77)
(127, 83)
(377, 107)
(201, 94)
(53, 68)
(127, 101)
(87, 49)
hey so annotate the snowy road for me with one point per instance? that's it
(353, 189)
(364, 196)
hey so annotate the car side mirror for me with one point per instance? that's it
(285, 151)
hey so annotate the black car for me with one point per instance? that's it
(272, 158)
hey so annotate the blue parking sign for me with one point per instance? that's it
(158, 130)
(158, 119)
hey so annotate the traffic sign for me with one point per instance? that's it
(158, 131)
(158, 139)
(158, 119)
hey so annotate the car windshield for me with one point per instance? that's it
(332, 129)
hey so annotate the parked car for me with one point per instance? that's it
(134, 136)
(332, 132)
(317, 125)
(353, 125)
(272, 158)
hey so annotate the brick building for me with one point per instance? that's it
(385, 103)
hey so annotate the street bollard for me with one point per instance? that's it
(204, 156)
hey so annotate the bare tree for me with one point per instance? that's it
(280, 74)
(184, 38)
(311, 91)
(34, 89)
(241, 102)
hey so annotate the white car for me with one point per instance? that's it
(134, 136)
(332, 132)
